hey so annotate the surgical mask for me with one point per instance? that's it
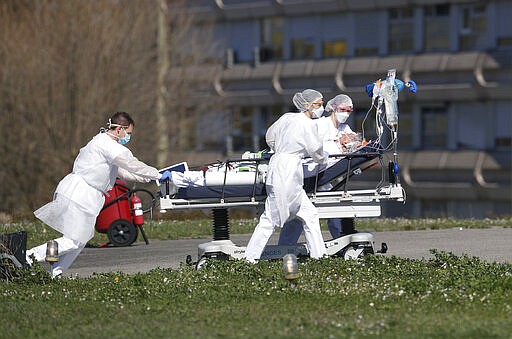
(125, 139)
(317, 112)
(341, 117)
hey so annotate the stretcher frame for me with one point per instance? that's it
(338, 203)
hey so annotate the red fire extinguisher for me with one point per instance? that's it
(138, 214)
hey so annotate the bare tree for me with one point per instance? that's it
(66, 66)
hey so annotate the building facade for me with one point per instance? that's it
(455, 134)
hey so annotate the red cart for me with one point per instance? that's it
(122, 215)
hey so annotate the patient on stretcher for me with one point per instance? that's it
(249, 170)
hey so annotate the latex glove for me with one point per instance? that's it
(369, 89)
(167, 175)
(326, 154)
(411, 86)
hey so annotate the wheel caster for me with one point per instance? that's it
(201, 262)
(121, 233)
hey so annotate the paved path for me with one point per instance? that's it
(492, 245)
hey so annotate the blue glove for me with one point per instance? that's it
(326, 154)
(411, 86)
(167, 175)
(369, 89)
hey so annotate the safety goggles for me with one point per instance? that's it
(345, 109)
(110, 124)
(317, 104)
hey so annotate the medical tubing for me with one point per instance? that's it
(128, 193)
(382, 175)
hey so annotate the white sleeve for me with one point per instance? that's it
(314, 145)
(130, 168)
(270, 137)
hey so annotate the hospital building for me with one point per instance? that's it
(455, 133)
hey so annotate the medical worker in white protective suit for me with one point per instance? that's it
(338, 138)
(292, 137)
(78, 199)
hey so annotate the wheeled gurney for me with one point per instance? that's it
(337, 202)
(328, 189)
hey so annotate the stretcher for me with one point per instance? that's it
(241, 183)
(337, 202)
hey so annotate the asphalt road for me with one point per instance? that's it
(493, 245)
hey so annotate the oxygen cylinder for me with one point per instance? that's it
(138, 214)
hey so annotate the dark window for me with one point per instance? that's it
(302, 48)
(401, 30)
(434, 127)
(436, 26)
(272, 38)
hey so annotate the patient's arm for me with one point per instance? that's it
(187, 178)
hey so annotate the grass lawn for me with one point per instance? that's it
(378, 297)
(444, 297)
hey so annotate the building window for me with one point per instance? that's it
(405, 126)
(334, 48)
(503, 127)
(365, 51)
(401, 30)
(434, 127)
(437, 27)
(502, 25)
(365, 35)
(242, 132)
(302, 48)
(272, 38)
(504, 42)
(473, 27)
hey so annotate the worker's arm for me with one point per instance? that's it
(132, 169)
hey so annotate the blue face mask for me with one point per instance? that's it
(126, 139)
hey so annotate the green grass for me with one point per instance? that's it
(378, 297)
(39, 233)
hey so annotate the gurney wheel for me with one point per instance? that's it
(121, 233)
(201, 262)
(356, 252)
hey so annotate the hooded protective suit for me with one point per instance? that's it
(292, 137)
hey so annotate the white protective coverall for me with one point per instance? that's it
(290, 233)
(292, 137)
(78, 199)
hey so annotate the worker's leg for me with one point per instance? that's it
(68, 251)
(312, 231)
(290, 232)
(259, 238)
(71, 249)
(334, 226)
(348, 226)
